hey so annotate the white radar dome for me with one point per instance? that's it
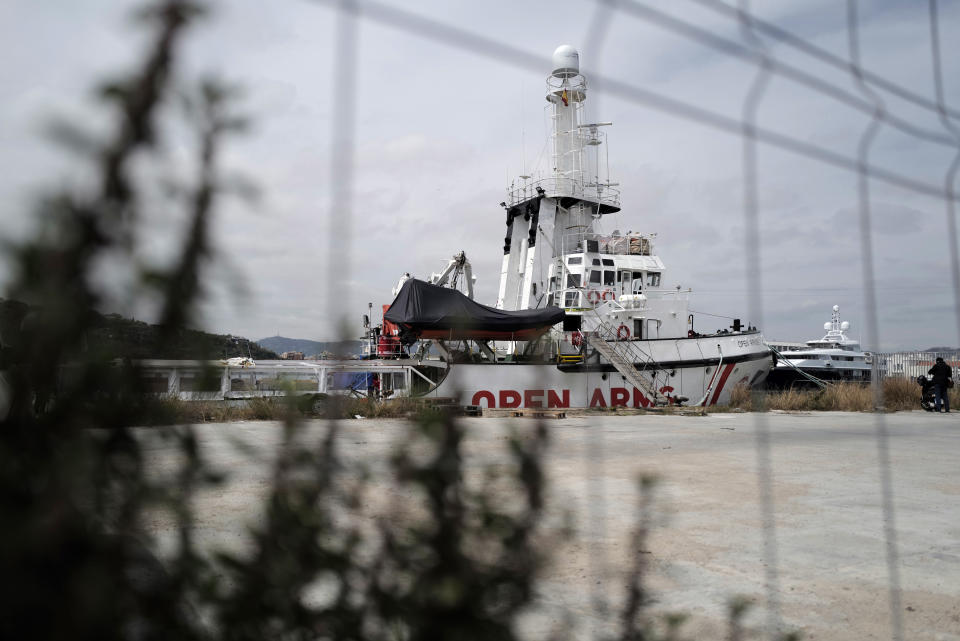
(566, 62)
(844, 325)
(836, 308)
(826, 325)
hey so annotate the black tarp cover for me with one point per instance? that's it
(432, 310)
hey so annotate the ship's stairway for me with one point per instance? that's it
(625, 357)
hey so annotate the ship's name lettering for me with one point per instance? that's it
(526, 398)
(748, 342)
(538, 398)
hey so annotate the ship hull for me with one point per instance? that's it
(699, 378)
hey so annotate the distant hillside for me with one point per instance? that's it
(280, 344)
(136, 339)
(117, 337)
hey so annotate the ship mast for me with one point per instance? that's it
(566, 92)
(564, 205)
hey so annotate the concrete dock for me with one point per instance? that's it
(831, 576)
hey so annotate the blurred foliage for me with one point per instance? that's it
(75, 490)
(77, 561)
(450, 560)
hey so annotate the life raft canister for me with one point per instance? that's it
(623, 332)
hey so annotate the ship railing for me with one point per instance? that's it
(667, 294)
(386, 350)
(564, 187)
(569, 359)
(593, 295)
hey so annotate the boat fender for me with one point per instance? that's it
(623, 332)
(593, 296)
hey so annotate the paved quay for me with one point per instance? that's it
(708, 542)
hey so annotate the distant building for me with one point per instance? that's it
(913, 364)
(292, 356)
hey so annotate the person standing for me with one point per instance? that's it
(942, 375)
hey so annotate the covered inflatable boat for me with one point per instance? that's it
(429, 311)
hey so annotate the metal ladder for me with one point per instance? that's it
(624, 356)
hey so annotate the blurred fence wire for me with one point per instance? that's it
(757, 47)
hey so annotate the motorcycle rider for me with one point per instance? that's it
(942, 374)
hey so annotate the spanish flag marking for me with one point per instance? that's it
(563, 97)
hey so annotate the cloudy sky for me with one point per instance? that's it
(442, 130)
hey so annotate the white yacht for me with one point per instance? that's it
(835, 357)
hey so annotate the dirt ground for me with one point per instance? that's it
(824, 560)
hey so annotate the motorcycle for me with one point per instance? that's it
(927, 395)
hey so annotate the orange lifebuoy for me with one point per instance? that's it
(608, 295)
(593, 296)
(623, 332)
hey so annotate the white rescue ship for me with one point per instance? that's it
(582, 317)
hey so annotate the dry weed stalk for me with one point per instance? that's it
(899, 395)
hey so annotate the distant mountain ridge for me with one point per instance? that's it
(280, 344)
(113, 336)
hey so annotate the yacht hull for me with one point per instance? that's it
(784, 377)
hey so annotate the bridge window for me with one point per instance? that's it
(575, 260)
(595, 276)
(573, 280)
(653, 279)
(608, 277)
(608, 262)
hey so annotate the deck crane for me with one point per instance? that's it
(457, 273)
(457, 267)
